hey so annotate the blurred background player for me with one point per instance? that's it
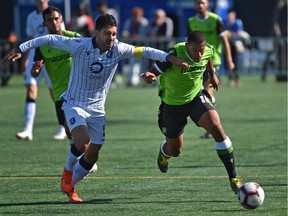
(212, 26)
(35, 28)
(57, 62)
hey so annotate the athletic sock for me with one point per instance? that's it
(225, 152)
(29, 114)
(72, 157)
(81, 170)
(162, 151)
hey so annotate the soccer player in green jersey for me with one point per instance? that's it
(183, 95)
(57, 62)
(213, 28)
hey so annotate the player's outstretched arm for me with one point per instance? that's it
(13, 55)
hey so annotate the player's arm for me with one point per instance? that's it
(161, 56)
(225, 41)
(212, 74)
(38, 63)
(157, 69)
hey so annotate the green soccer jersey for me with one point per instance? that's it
(179, 86)
(58, 65)
(212, 27)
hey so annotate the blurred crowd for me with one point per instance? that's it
(159, 30)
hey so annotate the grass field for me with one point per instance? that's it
(128, 181)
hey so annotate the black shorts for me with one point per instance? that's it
(60, 112)
(173, 118)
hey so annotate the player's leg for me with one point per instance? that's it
(209, 88)
(171, 121)
(211, 122)
(30, 101)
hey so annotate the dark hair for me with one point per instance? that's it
(104, 21)
(49, 10)
(196, 37)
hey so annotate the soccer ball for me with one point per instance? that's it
(251, 195)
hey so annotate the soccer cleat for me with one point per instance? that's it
(235, 184)
(66, 181)
(73, 196)
(61, 134)
(162, 162)
(206, 135)
(24, 135)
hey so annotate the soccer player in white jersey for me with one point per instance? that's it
(35, 28)
(94, 64)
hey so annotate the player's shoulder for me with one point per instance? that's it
(69, 33)
(214, 16)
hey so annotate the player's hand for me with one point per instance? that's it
(13, 55)
(148, 77)
(214, 81)
(36, 68)
(230, 65)
(179, 62)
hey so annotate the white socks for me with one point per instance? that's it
(29, 113)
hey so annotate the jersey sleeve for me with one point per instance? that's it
(162, 66)
(60, 42)
(220, 26)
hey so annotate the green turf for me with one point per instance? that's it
(128, 181)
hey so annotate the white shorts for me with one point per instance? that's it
(29, 79)
(76, 116)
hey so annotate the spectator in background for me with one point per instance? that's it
(135, 27)
(234, 27)
(82, 22)
(102, 8)
(236, 36)
(7, 70)
(162, 27)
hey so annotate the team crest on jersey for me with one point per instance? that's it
(96, 67)
(72, 120)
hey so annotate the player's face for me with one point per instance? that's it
(196, 50)
(105, 38)
(201, 5)
(53, 22)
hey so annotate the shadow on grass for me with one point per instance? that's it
(93, 201)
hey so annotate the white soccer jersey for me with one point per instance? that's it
(34, 25)
(91, 72)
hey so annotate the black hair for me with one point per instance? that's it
(104, 21)
(49, 10)
(196, 37)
